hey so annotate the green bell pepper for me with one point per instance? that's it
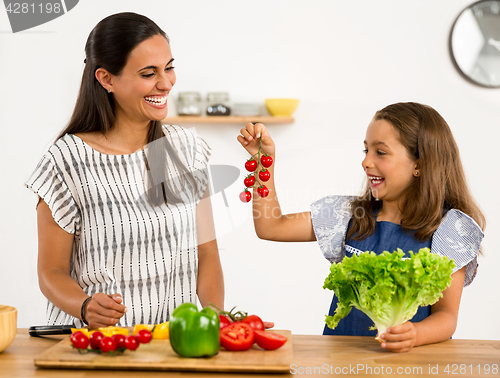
(194, 333)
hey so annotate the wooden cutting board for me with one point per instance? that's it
(158, 355)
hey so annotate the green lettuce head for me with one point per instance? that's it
(386, 287)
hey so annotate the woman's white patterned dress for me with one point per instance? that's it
(123, 244)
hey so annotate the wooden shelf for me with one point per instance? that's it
(226, 119)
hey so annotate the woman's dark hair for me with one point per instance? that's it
(441, 184)
(109, 46)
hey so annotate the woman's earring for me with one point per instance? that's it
(109, 90)
(416, 174)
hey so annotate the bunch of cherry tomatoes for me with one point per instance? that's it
(240, 331)
(118, 343)
(251, 165)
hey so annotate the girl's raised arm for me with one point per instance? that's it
(269, 222)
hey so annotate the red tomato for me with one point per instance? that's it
(251, 165)
(266, 161)
(237, 336)
(269, 340)
(144, 336)
(263, 191)
(223, 321)
(79, 340)
(107, 345)
(120, 341)
(255, 322)
(264, 175)
(131, 343)
(249, 181)
(95, 340)
(245, 196)
(75, 334)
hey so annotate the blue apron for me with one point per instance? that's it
(387, 237)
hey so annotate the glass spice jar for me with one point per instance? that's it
(218, 104)
(189, 103)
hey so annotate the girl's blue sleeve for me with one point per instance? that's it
(330, 217)
(459, 238)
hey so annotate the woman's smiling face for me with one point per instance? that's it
(388, 165)
(140, 92)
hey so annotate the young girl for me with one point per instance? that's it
(416, 196)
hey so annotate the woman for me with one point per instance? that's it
(124, 235)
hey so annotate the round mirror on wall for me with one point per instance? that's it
(475, 43)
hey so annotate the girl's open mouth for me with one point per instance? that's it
(375, 180)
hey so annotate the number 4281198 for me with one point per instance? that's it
(471, 369)
(24, 8)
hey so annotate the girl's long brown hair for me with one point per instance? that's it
(108, 46)
(441, 184)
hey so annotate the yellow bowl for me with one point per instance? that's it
(8, 326)
(283, 107)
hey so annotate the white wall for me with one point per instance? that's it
(344, 60)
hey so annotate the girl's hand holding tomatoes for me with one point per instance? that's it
(256, 140)
(249, 139)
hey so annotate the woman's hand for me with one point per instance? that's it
(249, 139)
(104, 310)
(401, 338)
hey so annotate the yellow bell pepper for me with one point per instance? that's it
(106, 331)
(87, 332)
(111, 330)
(160, 331)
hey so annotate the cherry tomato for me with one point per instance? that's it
(251, 165)
(237, 336)
(131, 343)
(263, 191)
(269, 340)
(249, 181)
(266, 161)
(75, 334)
(79, 340)
(144, 336)
(255, 322)
(223, 321)
(264, 175)
(120, 341)
(95, 339)
(245, 196)
(107, 345)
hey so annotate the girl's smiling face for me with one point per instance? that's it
(141, 90)
(388, 166)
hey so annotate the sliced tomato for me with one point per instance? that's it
(255, 322)
(237, 336)
(269, 341)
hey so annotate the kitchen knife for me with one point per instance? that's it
(50, 330)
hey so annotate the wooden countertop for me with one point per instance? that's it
(313, 356)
